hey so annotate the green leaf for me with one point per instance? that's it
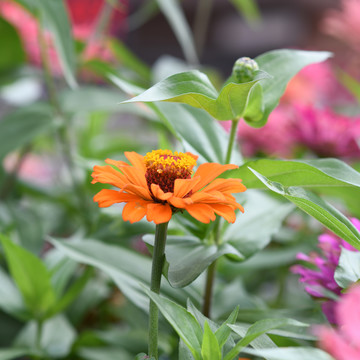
(11, 300)
(317, 208)
(248, 8)
(223, 332)
(177, 20)
(262, 219)
(210, 349)
(13, 353)
(195, 89)
(255, 108)
(304, 173)
(72, 293)
(348, 271)
(14, 54)
(259, 328)
(55, 17)
(23, 125)
(127, 268)
(293, 353)
(188, 257)
(183, 322)
(282, 65)
(32, 278)
(52, 344)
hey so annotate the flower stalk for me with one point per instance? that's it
(234, 126)
(156, 272)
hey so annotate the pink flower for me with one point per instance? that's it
(84, 16)
(327, 134)
(343, 343)
(344, 24)
(274, 139)
(319, 275)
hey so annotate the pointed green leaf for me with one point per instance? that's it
(305, 173)
(182, 321)
(282, 65)
(223, 332)
(32, 278)
(317, 208)
(259, 328)
(210, 349)
(195, 89)
(293, 353)
(177, 20)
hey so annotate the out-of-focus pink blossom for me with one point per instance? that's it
(84, 16)
(274, 139)
(316, 84)
(344, 24)
(34, 169)
(343, 343)
(327, 134)
(318, 276)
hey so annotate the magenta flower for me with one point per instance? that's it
(318, 276)
(326, 133)
(343, 343)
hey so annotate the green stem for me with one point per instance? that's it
(210, 277)
(234, 125)
(156, 272)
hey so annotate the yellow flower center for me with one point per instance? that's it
(163, 167)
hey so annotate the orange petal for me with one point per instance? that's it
(209, 171)
(134, 211)
(135, 176)
(226, 185)
(180, 203)
(140, 191)
(158, 213)
(201, 212)
(225, 211)
(184, 186)
(108, 175)
(159, 194)
(117, 163)
(108, 197)
(208, 198)
(136, 159)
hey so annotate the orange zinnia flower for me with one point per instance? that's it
(160, 184)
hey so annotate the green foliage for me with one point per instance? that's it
(23, 125)
(14, 54)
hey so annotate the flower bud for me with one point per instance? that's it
(244, 69)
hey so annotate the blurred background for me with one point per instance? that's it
(62, 75)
